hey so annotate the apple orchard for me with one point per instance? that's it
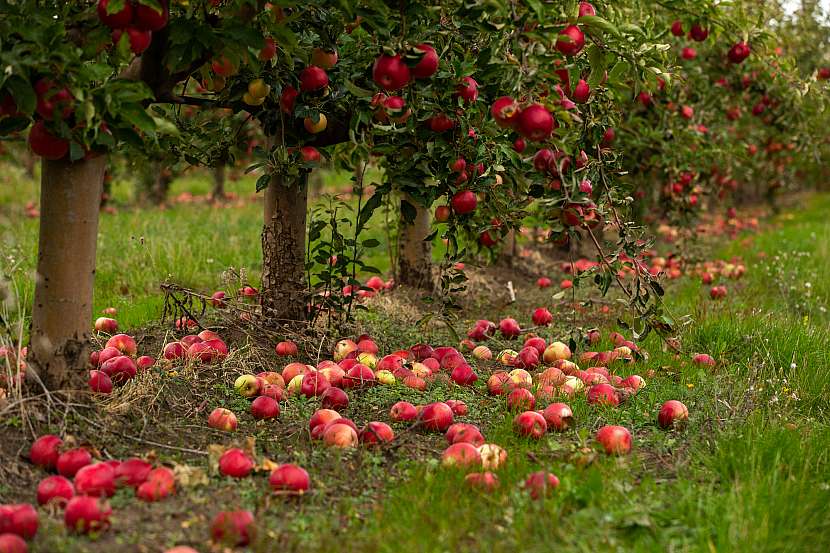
(606, 139)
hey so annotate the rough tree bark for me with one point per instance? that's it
(218, 192)
(414, 254)
(284, 290)
(62, 312)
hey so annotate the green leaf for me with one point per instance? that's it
(371, 243)
(23, 94)
(356, 91)
(600, 24)
(262, 182)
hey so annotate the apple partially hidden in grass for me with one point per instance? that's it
(672, 413)
(222, 419)
(530, 424)
(289, 479)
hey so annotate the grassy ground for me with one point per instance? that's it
(751, 472)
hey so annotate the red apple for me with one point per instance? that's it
(85, 514)
(570, 41)
(672, 413)
(265, 407)
(235, 463)
(313, 78)
(403, 411)
(222, 419)
(286, 349)
(160, 483)
(71, 461)
(535, 123)
(461, 455)
(123, 343)
(338, 434)
(437, 416)
(376, 432)
(118, 19)
(464, 201)
(289, 479)
(558, 416)
(106, 324)
(616, 440)
(45, 451)
(505, 111)
(521, 399)
(334, 398)
(540, 483)
(603, 394)
(234, 528)
(57, 489)
(96, 480)
(531, 424)
(132, 472)
(390, 72)
(509, 328)
(428, 64)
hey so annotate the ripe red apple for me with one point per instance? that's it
(486, 482)
(428, 64)
(181, 549)
(603, 394)
(703, 360)
(148, 18)
(314, 384)
(582, 92)
(542, 317)
(535, 123)
(160, 483)
(57, 489)
(289, 479)
(265, 407)
(459, 408)
(286, 349)
(313, 78)
(558, 416)
(739, 52)
(505, 111)
(123, 343)
(390, 72)
(343, 349)
(106, 324)
(45, 144)
(543, 282)
(45, 451)
(672, 413)
(521, 399)
(677, 28)
(334, 398)
(269, 49)
(586, 8)
(338, 434)
(96, 480)
(540, 483)
(358, 376)
(570, 41)
(120, 369)
(222, 419)
(85, 514)
(235, 463)
(530, 423)
(698, 33)
(139, 38)
(376, 432)
(132, 472)
(234, 528)
(464, 202)
(463, 432)
(615, 439)
(19, 519)
(71, 461)
(321, 417)
(324, 58)
(467, 90)
(403, 411)
(115, 20)
(174, 350)
(509, 328)
(99, 382)
(437, 416)
(461, 455)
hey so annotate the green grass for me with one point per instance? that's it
(750, 473)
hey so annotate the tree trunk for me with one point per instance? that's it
(414, 254)
(62, 312)
(284, 291)
(218, 183)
